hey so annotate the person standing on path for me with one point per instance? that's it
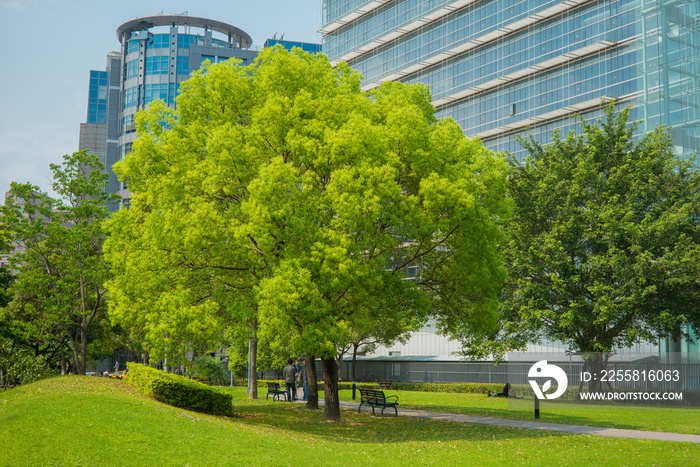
(297, 379)
(305, 376)
(288, 374)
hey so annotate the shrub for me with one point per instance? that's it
(209, 369)
(20, 366)
(178, 391)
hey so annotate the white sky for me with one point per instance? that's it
(48, 47)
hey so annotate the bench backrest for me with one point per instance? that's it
(372, 396)
(273, 386)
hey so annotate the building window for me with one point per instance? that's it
(155, 91)
(184, 41)
(183, 65)
(131, 97)
(132, 68)
(132, 46)
(157, 41)
(157, 65)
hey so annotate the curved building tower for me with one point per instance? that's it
(157, 54)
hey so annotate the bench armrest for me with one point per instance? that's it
(390, 397)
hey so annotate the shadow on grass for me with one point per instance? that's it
(365, 428)
(642, 418)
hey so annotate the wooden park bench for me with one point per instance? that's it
(385, 383)
(274, 389)
(377, 399)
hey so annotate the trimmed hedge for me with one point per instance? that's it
(178, 391)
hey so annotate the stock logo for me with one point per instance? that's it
(542, 370)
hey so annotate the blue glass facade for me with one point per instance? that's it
(97, 97)
(507, 67)
(289, 45)
(157, 54)
(99, 133)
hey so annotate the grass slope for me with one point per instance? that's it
(95, 421)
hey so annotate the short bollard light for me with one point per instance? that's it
(353, 390)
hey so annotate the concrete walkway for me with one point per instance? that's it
(533, 425)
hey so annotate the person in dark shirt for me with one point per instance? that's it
(288, 374)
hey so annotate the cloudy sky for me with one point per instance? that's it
(48, 47)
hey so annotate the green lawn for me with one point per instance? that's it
(96, 421)
(674, 420)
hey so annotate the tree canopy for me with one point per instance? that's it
(59, 291)
(281, 195)
(604, 245)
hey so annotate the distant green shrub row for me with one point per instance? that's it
(178, 391)
(462, 388)
(690, 398)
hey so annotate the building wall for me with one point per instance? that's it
(503, 68)
(158, 57)
(100, 131)
(157, 54)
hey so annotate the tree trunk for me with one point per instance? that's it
(354, 360)
(312, 402)
(81, 367)
(339, 362)
(331, 403)
(596, 365)
(253, 361)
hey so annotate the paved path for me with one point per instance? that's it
(533, 425)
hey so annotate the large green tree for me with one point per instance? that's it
(280, 195)
(59, 291)
(604, 241)
(361, 189)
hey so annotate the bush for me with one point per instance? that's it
(209, 369)
(461, 388)
(20, 366)
(178, 391)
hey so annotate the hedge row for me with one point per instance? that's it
(178, 391)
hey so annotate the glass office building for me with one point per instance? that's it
(100, 131)
(506, 67)
(503, 68)
(157, 54)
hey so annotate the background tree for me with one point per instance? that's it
(61, 276)
(6, 279)
(394, 329)
(604, 241)
(18, 365)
